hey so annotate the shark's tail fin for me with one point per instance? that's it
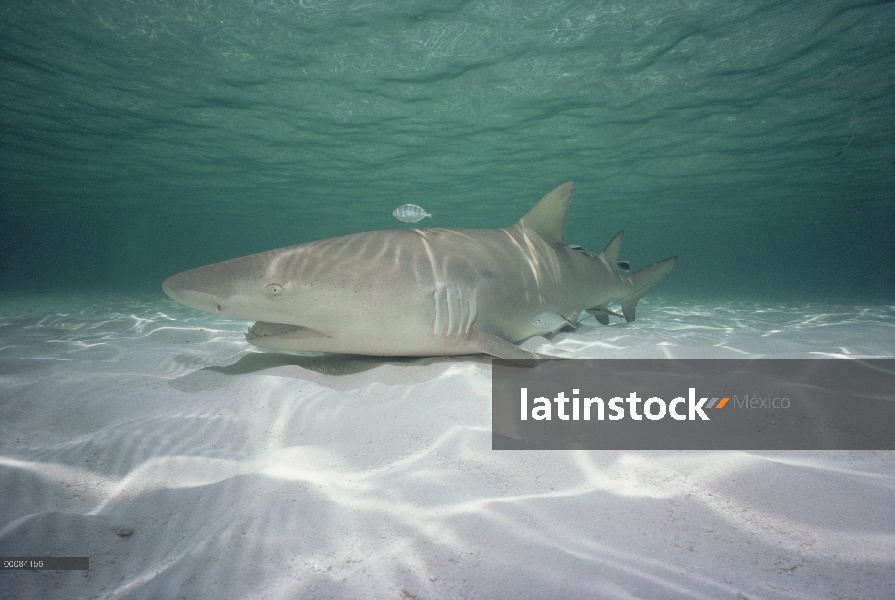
(643, 280)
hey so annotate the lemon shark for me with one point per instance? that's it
(420, 292)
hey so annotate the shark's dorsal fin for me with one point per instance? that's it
(610, 254)
(546, 218)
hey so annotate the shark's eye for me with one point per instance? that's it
(273, 289)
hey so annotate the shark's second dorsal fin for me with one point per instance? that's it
(546, 218)
(610, 254)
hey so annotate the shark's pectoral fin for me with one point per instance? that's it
(488, 343)
(643, 280)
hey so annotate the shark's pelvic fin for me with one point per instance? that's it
(643, 280)
(547, 217)
(601, 314)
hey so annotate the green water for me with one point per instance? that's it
(755, 140)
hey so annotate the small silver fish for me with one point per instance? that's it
(410, 213)
(549, 322)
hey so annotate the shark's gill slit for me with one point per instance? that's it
(462, 309)
(437, 323)
(472, 310)
(450, 307)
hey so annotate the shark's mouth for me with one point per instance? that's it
(264, 330)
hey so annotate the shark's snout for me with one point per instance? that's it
(181, 288)
(172, 285)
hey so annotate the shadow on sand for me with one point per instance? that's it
(335, 364)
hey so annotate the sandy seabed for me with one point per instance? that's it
(187, 464)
